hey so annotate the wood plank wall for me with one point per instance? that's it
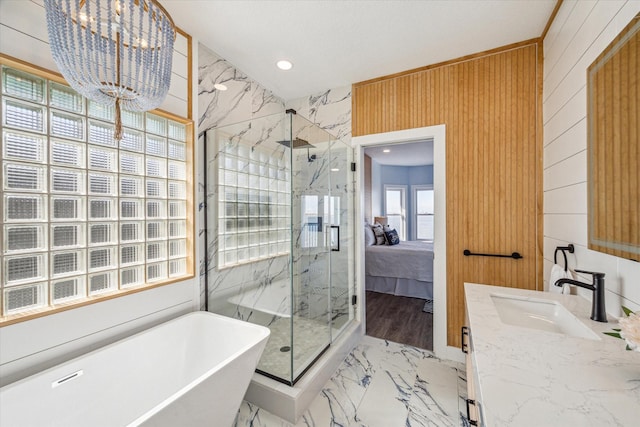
(490, 104)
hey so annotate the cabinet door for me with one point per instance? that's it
(467, 348)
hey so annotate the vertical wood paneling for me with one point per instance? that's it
(491, 107)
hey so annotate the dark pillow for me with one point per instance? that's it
(379, 233)
(392, 237)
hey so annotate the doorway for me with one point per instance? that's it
(398, 194)
(437, 133)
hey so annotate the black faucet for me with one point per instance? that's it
(598, 312)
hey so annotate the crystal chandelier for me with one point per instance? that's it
(113, 52)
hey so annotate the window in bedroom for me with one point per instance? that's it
(84, 218)
(423, 212)
(395, 205)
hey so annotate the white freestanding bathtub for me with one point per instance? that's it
(190, 371)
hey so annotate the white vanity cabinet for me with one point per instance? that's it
(527, 376)
(473, 394)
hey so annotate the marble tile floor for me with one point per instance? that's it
(381, 384)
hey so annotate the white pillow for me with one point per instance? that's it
(379, 233)
(369, 237)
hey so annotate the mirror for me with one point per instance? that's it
(613, 123)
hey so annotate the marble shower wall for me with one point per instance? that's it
(244, 99)
(330, 109)
(249, 291)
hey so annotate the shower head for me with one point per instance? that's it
(300, 143)
(297, 143)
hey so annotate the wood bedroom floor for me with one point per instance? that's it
(399, 319)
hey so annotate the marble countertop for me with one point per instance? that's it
(532, 378)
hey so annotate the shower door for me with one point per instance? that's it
(310, 243)
(322, 246)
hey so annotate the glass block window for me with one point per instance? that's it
(84, 216)
(254, 206)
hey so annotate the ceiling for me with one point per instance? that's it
(409, 154)
(336, 43)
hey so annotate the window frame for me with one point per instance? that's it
(403, 202)
(50, 308)
(414, 213)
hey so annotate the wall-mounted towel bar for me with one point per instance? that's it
(570, 248)
(515, 255)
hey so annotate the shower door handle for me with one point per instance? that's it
(335, 248)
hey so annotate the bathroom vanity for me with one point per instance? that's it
(536, 359)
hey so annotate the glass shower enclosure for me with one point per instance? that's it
(280, 251)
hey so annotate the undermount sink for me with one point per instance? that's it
(540, 314)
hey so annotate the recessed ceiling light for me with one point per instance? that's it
(335, 170)
(386, 150)
(284, 65)
(220, 86)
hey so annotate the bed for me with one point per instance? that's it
(405, 269)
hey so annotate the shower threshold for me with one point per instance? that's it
(289, 402)
(304, 371)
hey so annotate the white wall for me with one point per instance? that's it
(579, 33)
(31, 346)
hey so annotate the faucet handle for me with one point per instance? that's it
(595, 274)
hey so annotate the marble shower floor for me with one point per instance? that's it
(381, 384)
(310, 338)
